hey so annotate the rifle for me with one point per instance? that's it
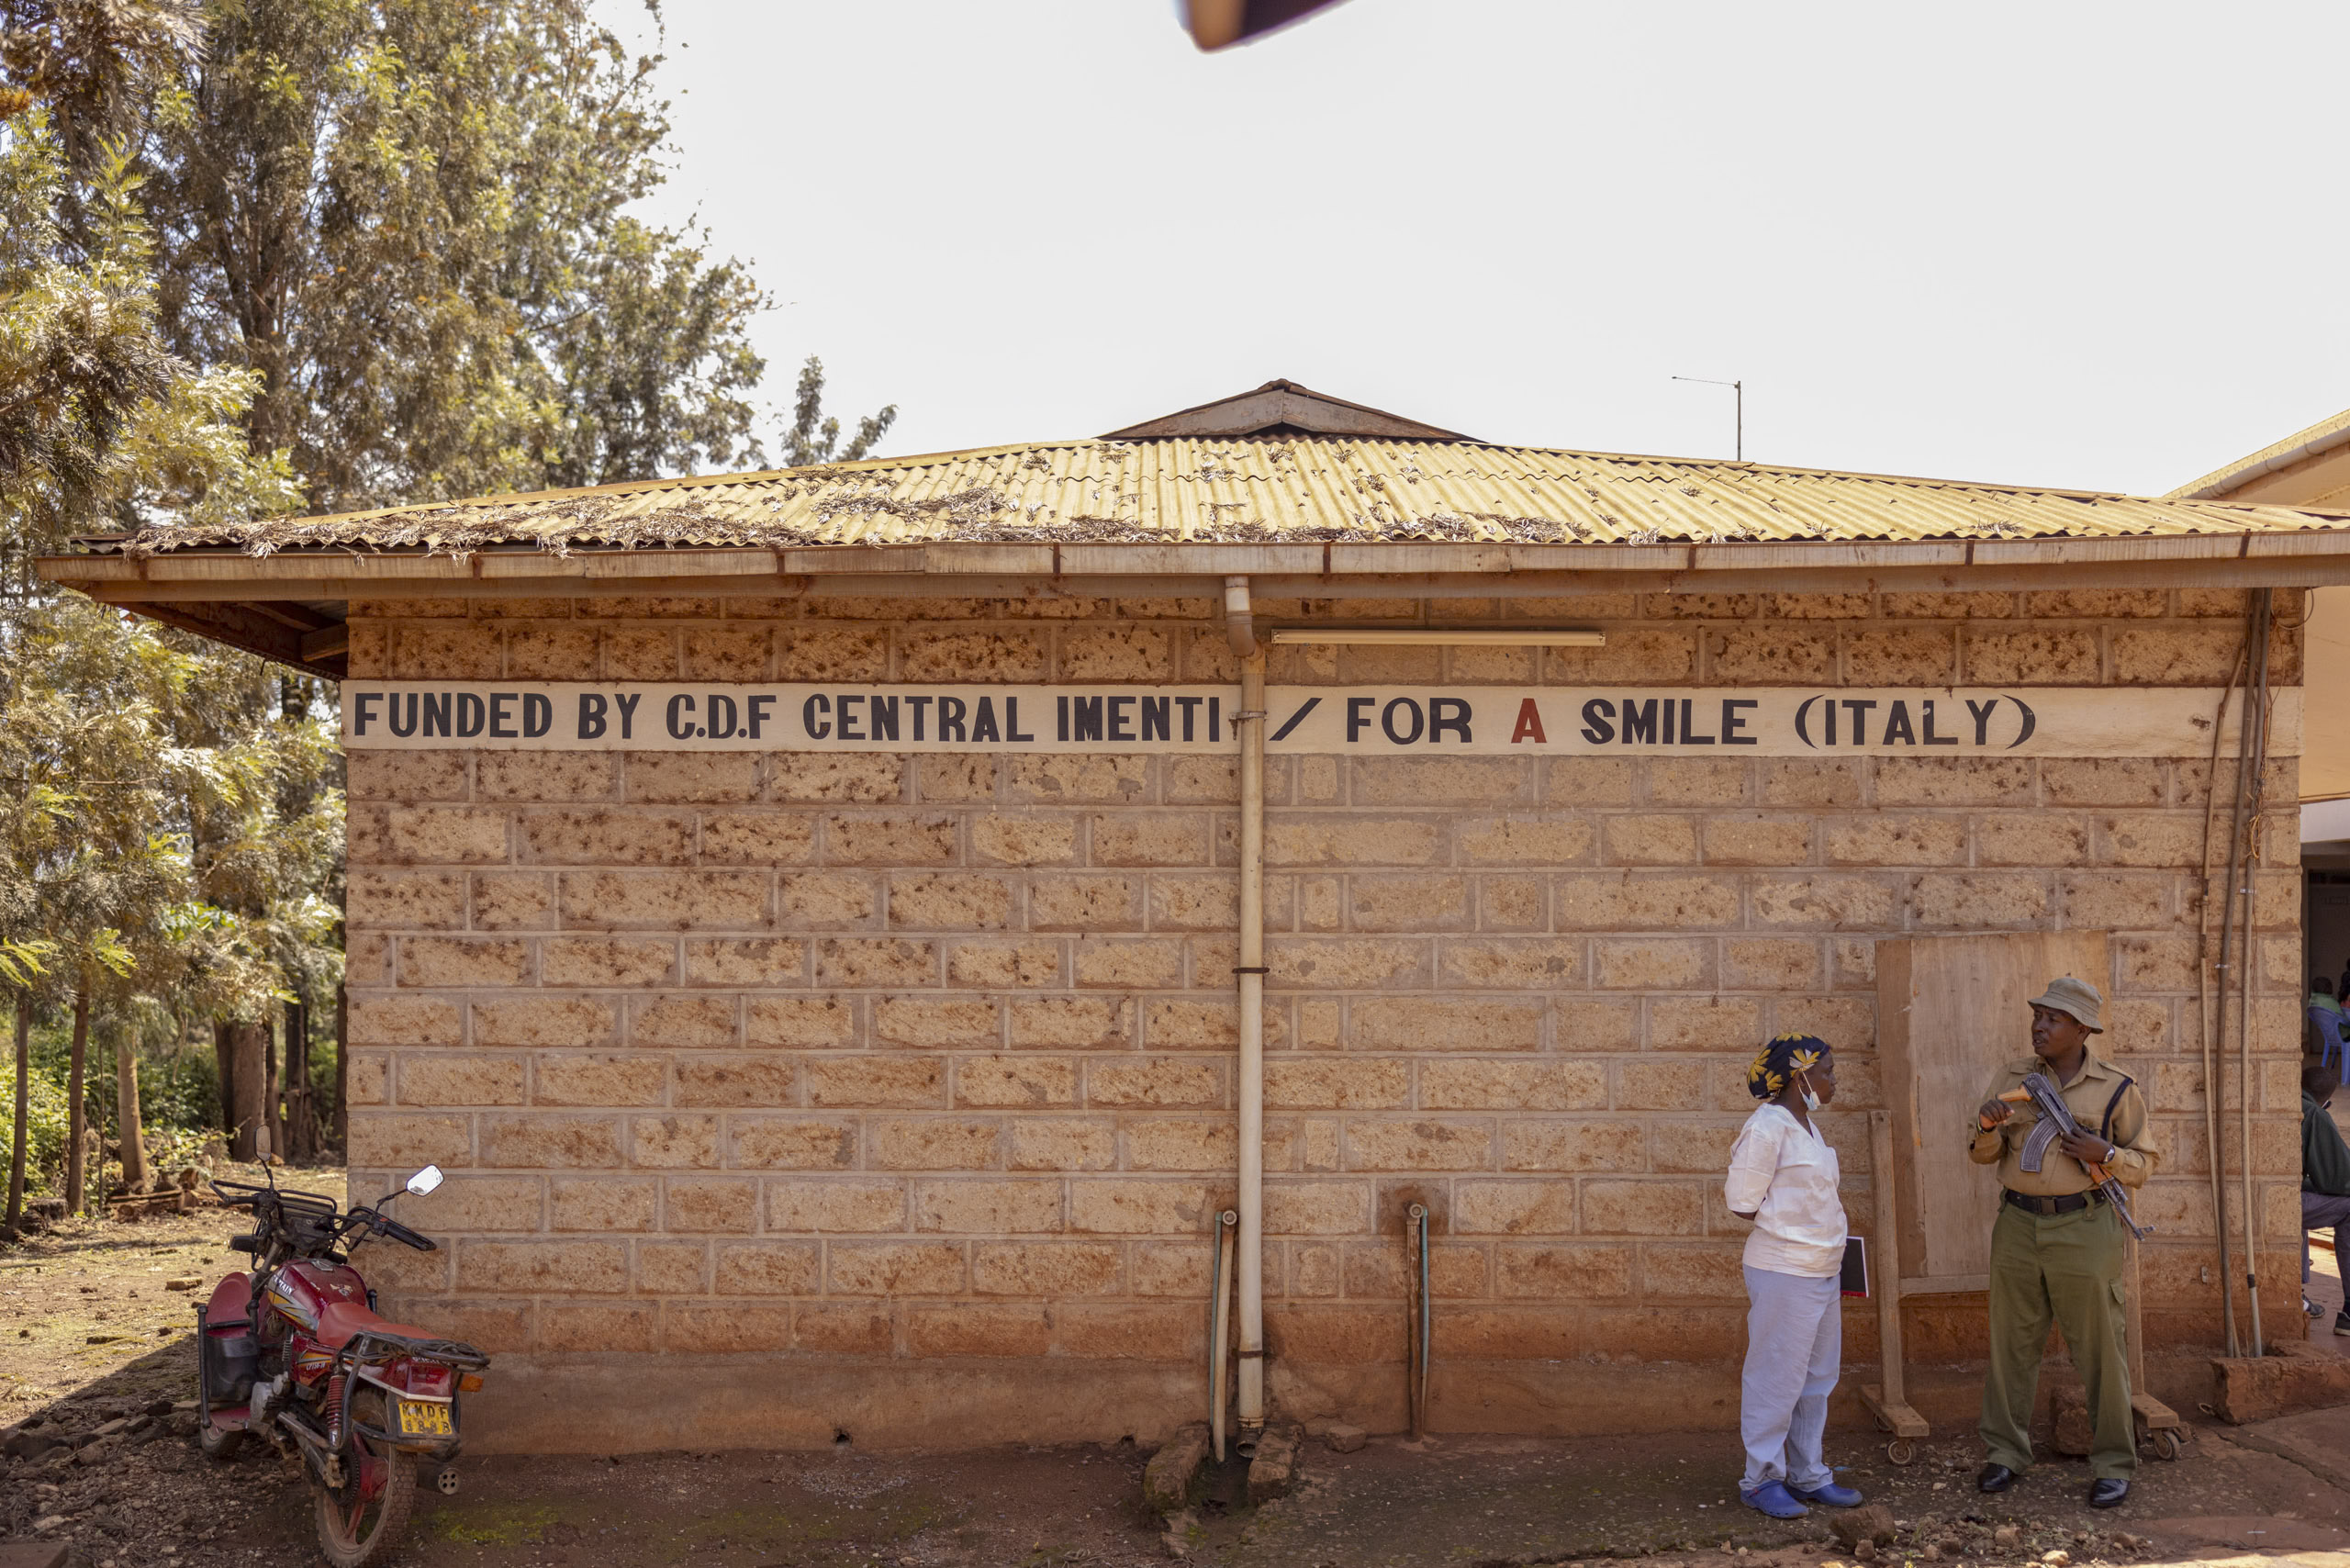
(2056, 1121)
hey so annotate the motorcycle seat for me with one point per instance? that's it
(341, 1319)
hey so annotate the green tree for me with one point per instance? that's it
(407, 218)
(99, 420)
(94, 65)
(390, 257)
(109, 744)
(186, 850)
(814, 436)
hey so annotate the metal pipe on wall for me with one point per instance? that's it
(1415, 1389)
(2233, 967)
(2211, 993)
(1220, 1334)
(1250, 973)
(2250, 770)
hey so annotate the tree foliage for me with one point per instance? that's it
(169, 841)
(173, 831)
(409, 219)
(100, 421)
(814, 436)
(262, 254)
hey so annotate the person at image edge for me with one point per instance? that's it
(1783, 1178)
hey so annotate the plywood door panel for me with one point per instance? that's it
(1949, 1010)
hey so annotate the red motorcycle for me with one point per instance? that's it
(295, 1354)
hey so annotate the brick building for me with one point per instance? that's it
(889, 1078)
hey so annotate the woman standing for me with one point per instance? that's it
(1783, 1177)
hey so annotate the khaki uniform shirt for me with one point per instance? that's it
(2087, 1095)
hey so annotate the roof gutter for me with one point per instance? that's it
(507, 570)
(2281, 572)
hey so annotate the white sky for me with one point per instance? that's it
(2095, 245)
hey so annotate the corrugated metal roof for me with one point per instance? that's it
(1246, 490)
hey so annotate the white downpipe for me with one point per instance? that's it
(1250, 721)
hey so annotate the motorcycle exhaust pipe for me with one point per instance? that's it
(447, 1480)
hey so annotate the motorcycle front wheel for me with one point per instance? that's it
(360, 1522)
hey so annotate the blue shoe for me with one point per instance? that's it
(1773, 1499)
(1829, 1496)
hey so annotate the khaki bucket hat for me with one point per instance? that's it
(2078, 998)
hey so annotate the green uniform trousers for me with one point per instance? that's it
(2067, 1267)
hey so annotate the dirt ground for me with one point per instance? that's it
(90, 1334)
(91, 1301)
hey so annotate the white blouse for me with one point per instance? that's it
(1785, 1175)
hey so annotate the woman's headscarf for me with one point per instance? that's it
(1782, 1060)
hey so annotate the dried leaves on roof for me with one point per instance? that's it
(1295, 490)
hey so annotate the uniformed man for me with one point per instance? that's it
(2057, 1246)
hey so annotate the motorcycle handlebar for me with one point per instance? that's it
(377, 1223)
(364, 1220)
(399, 1232)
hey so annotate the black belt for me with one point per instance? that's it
(2071, 1203)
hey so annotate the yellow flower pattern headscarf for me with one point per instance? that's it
(1782, 1060)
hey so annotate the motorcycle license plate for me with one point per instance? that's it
(420, 1419)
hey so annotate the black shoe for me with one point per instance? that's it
(2342, 1321)
(2111, 1492)
(1994, 1478)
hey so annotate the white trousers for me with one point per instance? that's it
(1795, 1345)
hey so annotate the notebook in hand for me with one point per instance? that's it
(1854, 1277)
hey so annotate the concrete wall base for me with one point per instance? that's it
(623, 1404)
(632, 1404)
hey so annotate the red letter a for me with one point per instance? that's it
(1529, 722)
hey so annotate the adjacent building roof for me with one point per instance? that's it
(2309, 468)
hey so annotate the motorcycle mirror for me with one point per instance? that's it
(424, 1181)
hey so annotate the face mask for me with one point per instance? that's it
(1810, 1101)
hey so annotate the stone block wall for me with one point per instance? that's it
(927, 1060)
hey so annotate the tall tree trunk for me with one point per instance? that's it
(77, 1120)
(301, 1106)
(128, 1125)
(248, 1050)
(224, 1058)
(24, 1032)
(270, 1085)
(343, 1070)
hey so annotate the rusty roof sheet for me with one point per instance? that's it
(1239, 489)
